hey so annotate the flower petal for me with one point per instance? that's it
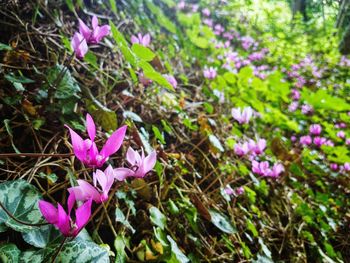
(63, 223)
(49, 211)
(133, 157)
(71, 202)
(134, 40)
(94, 22)
(122, 173)
(78, 144)
(82, 215)
(114, 142)
(84, 30)
(101, 178)
(90, 127)
(88, 191)
(149, 162)
(101, 32)
(146, 40)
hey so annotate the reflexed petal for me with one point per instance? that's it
(132, 156)
(84, 30)
(114, 142)
(122, 173)
(90, 127)
(71, 202)
(101, 178)
(49, 211)
(101, 32)
(94, 21)
(134, 40)
(146, 40)
(88, 191)
(150, 161)
(82, 215)
(63, 223)
(236, 114)
(78, 145)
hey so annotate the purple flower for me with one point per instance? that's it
(277, 169)
(239, 191)
(63, 221)
(341, 134)
(315, 129)
(305, 140)
(306, 109)
(142, 40)
(295, 94)
(319, 141)
(241, 149)
(347, 142)
(262, 168)
(102, 183)
(242, 116)
(346, 167)
(95, 34)
(79, 45)
(293, 106)
(209, 73)
(140, 165)
(334, 166)
(86, 150)
(171, 80)
(228, 190)
(206, 12)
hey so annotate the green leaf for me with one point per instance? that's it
(48, 235)
(9, 253)
(19, 79)
(74, 251)
(150, 73)
(102, 115)
(9, 132)
(158, 134)
(157, 217)
(131, 115)
(161, 18)
(123, 45)
(119, 244)
(21, 199)
(142, 52)
(113, 4)
(322, 100)
(5, 47)
(176, 254)
(120, 217)
(222, 222)
(216, 143)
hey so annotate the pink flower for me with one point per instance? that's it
(97, 193)
(171, 80)
(242, 116)
(63, 221)
(257, 147)
(86, 150)
(145, 81)
(228, 190)
(347, 142)
(79, 45)
(241, 149)
(341, 134)
(293, 106)
(346, 167)
(239, 191)
(262, 168)
(315, 129)
(140, 165)
(319, 141)
(334, 166)
(305, 140)
(306, 109)
(276, 170)
(209, 73)
(95, 34)
(206, 12)
(142, 40)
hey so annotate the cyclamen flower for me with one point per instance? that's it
(277, 169)
(206, 12)
(295, 94)
(242, 116)
(347, 142)
(341, 134)
(86, 150)
(63, 221)
(98, 193)
(140, 165)
(95, 34)
(346, 167)
(79, 45)
(305, 140)
(171, 80)
(241, 149)
(238, 191)
(293, 106)
(315, 129)
(257, 147)
(319, 141)
(262, 168)
(306, 109)
(209, 73)
(142, 40)
(334, 166)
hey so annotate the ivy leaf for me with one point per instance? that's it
(21, 199)
(9, 253)
(222, 222)
(176, 254)
(120, 217)
(119, 244)
(74, 251)
(157, 217)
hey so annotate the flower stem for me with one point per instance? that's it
(58, 250)
(18, 220)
